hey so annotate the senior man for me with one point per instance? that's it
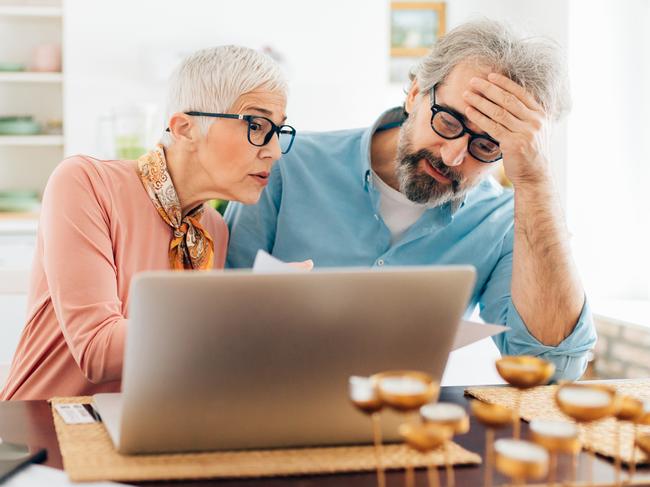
(417, 188)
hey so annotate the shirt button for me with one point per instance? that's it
(380, 262)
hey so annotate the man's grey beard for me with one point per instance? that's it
(417, 185)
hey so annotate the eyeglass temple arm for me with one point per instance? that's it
(215, 115)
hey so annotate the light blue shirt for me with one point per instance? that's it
(321, 204)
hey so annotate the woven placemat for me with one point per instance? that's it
(88, 455)
(539, 403)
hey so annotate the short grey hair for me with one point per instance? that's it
(536, 63)
(211, 80)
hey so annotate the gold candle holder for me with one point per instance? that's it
(365, 398)
(557, 437)
(520, 460)
(585, 403)
(492, 416)
(452, 417)
(642, 419)
(630, 410)
(643, 442)
(405, 391)
(425, 438)
(523, 372)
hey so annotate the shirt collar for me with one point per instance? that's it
(395, 117)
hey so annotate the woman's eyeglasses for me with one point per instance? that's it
(260, 129)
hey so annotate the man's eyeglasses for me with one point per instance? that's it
(260, 129)
(448, 125)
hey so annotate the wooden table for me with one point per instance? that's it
(30, 422)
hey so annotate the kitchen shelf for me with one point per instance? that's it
(18, 216)
(30, 77)
(31, 11)
(16, 225)
(31, 140)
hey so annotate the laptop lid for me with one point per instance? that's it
(232, 360)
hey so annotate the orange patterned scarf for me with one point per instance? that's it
(191, 246)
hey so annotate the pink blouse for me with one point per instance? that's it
(98, 228)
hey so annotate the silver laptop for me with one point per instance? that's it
(236, 360)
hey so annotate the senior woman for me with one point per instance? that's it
(104, 221)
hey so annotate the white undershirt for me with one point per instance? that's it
(398, 212)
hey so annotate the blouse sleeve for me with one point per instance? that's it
(80, 269)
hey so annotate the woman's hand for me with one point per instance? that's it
(305, 265)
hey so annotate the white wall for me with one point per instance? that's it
(609, 151)
(119, 53)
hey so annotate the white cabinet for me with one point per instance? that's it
(14, 308)
(27, 28)
(17, 244)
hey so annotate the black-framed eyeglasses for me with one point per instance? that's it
(448, 125)
(260, 129)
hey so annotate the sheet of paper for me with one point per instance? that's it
(40, 476)
(470, 332)
(265, 262)
(473, 365)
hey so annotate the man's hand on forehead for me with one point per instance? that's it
(511, 115)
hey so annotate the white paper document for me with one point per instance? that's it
(470, 332)
(265, 262)
(42, 476)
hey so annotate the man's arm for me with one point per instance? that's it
(497, 306)
(546, 288)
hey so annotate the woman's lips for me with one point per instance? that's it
(261, 177)
(434, 173)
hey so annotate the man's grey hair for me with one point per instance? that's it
(536, 63)
(211, 80)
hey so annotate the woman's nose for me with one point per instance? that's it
(275, 150)
(454, 151)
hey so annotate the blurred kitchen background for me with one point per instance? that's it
(89, 76)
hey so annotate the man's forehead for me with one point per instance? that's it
(460, 76)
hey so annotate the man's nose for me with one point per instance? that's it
(454, 151)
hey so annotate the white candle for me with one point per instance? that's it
(521, 450)
(584, 397)
(361, 389)
(442, 412)
(554, 429)
(402, 386)
(646, 406)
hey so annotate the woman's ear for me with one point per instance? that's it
(413, 92)
(182, 130)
